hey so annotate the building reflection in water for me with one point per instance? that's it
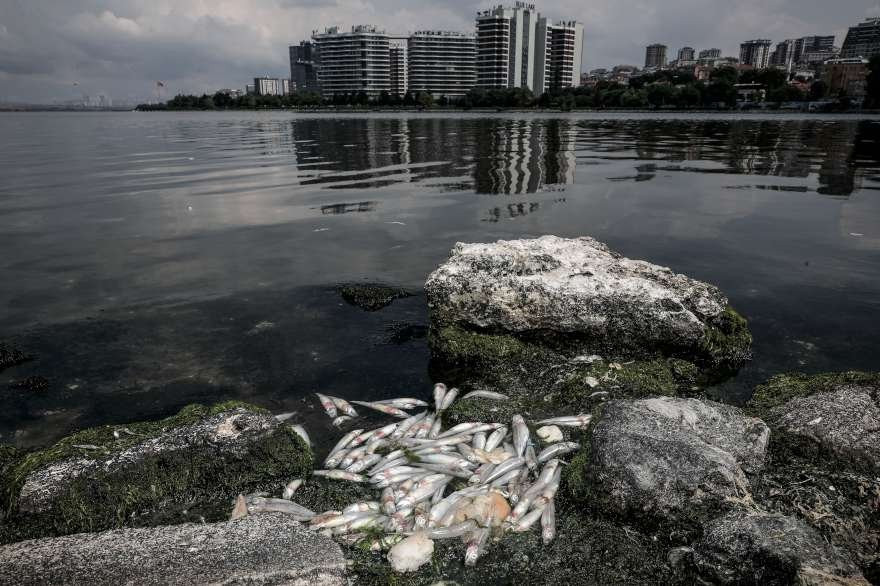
(522, 155)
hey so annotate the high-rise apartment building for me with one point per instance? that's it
(783, 56)
(710, 54)
(506, 39)
(685, 54)
(755, 53)
(355, 61)
(442, 63)
(814, 44)
(304, 64)
(862, 40)
(398, 66)
(655, 56)
(558, 55)
(268, 86)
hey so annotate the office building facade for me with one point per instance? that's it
(304, 66)
(559, 53)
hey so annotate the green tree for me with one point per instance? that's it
(659, 94)
(724, 74)
(818, 90)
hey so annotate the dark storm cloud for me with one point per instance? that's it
(122, 47)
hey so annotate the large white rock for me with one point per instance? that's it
(411, 553)
(573, 286)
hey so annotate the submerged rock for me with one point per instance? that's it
(763, 548)
(261, 549)
(579, 293)
(371, 297)
(11, 356)
(31, 384)
(114, 476)
(836, 415)
(670, 461)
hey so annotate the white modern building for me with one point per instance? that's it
(506, 41)
(271, 86)
(442, 63)
(398, 65)
(354, 61)
(558, 55)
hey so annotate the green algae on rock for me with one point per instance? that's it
(115, 476)
(524, 313)
(371, 297)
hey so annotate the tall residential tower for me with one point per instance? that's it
(655, 56)
(506, 47)
(355, 61)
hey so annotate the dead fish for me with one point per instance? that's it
(344, 406)
(301, 432)
(582, 420)
(341, 419)
(291, 487)
(583, 359)
(557, 450)
(340, 475)
(240, 509)
(346, 439)
(520, 434)
(282, 417)
(548, 523)
(495, 438)
(386, 409)
(439, 394)
(404, 403)
(256, 504)
(486, 395)
(327, 404)
(476, 545)
(448, 398)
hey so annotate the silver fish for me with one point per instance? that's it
(529, 519)
(364, 463)
(476, 545)
(435, 427)
(361, 439)
(569, 421)
(344, 406)
(291, 487)
(451, 531)
(495, 438)
(448, 398)
(386, 409)
(505, 467)
(405, 403)
(486, 395)
(340, 475)
(404, 426)
(557, 450)
(282, 417)
(439, 394)
(346, 439)
(520, 434)
(531, 458)
(479, 441)
(327, 404)
(341, 419)
(470, 428)
(270, 505)
(548, 523)
(301, 432)
(362, 507)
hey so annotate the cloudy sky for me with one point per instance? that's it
(121, 47)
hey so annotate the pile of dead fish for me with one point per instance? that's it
(472, 481)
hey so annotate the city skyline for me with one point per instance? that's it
(122, 48)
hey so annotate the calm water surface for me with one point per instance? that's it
(140, 251)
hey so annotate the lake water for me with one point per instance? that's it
(140, 251)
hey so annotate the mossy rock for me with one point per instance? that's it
(133, 474)
(784, 387)
(371, 297)
(11, 356)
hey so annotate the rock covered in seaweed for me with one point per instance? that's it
(270, 548)
(114, 476)
(835, 415)
(669, 460)
(579, 293)
(763, 548)
(371, 297)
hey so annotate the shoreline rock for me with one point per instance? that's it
(553, 321)
(668, 461)
(136, 474)
(265, 549)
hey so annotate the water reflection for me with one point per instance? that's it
(529, 155)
